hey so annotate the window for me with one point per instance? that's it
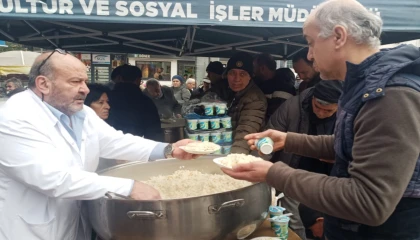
(158, 70)
(186, 68)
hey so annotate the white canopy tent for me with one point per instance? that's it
(16, 62)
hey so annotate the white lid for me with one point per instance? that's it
(266, 148)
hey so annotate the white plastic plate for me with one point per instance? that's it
(185, 148)
(218, 161)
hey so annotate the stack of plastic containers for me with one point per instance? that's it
(214, 126)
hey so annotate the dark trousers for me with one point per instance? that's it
(403, 224)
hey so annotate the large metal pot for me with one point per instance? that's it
(220, 216)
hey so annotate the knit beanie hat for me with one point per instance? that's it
(215, 67)
(243, 61)
(328, 90)
(180, 78)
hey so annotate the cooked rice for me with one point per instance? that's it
(186, 184)
(202, 147)
(234, 159)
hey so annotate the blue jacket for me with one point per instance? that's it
(365, 82)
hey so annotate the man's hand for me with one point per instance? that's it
(142, 191)
(253, 172)
(181, 154)
(279, 139)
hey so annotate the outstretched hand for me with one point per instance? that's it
(178, 153)
(252, 172)
(279, 139)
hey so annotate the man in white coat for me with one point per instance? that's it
(50, 145)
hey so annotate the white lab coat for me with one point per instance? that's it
(44, 175)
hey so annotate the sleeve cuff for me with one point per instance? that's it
(158, 152)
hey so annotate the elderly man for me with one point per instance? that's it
(50, 144)
(306, 70)
(249, 105)
(374, 188)
(190, 84)
(201, 91)
(13, 86)
(163, 98)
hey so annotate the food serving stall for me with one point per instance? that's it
(234, 214)
(182, 28)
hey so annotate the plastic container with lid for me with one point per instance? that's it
(203, 124)
(216, 137)
(227, 149)
(192, 124)
(281, 227)
(226, 122)
(193, 136)
(204, 137)
(215, 123)
(275, 211)
(227, 136)
(265, 145)
(220, 108)
(209, 109)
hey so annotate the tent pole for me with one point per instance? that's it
(88, 45)
(60, 37)
(96, 38)
(186, 40)
(75, 27)
(229, 45)
(192, 39)
(143, 42)
(150, 30)
(259, 45)
(227, 48)
(293, 53)
(288, 43)
(39, 32)
(36, 34)
(7, 35)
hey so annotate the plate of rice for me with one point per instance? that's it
(232, 160)
(201, 148)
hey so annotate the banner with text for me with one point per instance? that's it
(397, 15)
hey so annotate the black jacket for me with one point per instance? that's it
(277, 90)
(296, 115)
(14, 91)
(133, 112)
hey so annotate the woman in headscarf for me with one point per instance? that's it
(182, 94)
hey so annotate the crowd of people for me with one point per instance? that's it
(346, 140)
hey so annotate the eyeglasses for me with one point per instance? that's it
(60, 51)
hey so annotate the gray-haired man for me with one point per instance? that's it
(13, 86)
(374, 188)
